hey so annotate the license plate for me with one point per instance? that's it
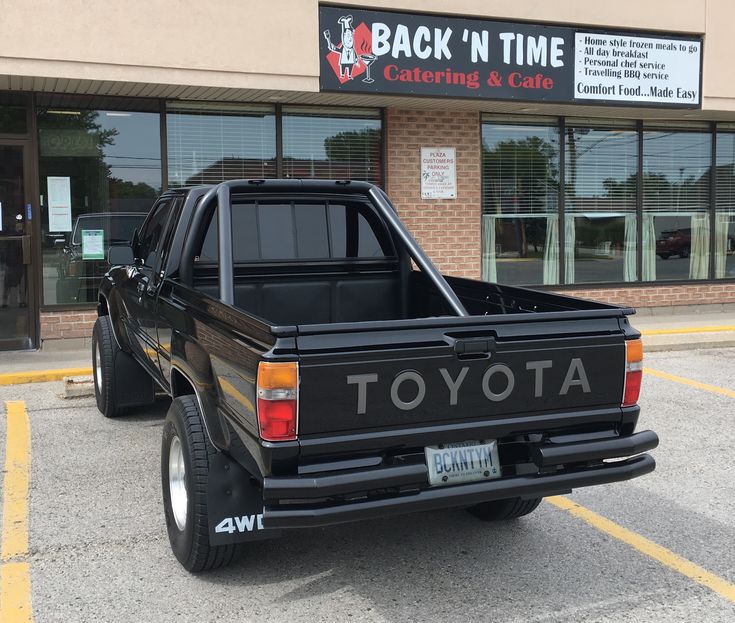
(467, 461)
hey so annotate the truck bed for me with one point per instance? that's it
(324, 296)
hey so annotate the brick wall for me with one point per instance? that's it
(448, 230)
(661, 296)
(67, 324)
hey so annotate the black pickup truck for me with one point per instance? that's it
(323, 371)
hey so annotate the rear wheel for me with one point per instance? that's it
(185, 454)
(499, 510)
(104, 350)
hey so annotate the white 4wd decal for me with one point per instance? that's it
(246, 523)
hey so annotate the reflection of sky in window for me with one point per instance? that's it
(135, 153)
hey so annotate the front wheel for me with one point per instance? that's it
(185, 457)
(499, 510)
(104, 350)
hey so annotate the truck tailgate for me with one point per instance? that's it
(377, 378)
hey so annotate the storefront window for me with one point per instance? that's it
(520, 216)
(100, 172)
(331, 143)
(725, 203)
(211, 143)
(600, 180)
(676, 219)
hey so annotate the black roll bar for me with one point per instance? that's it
(223, 194)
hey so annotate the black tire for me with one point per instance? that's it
(191, 544)
(500, 510)
(104, 350)
(664, 256)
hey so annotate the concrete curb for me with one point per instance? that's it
(42, 376)
(660, 348)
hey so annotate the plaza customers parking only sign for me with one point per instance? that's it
(416, 54)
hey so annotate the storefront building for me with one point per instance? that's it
(580, 148)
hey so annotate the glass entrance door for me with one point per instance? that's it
(17, 316)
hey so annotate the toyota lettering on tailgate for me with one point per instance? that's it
(576, 376)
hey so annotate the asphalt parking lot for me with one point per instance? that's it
(659, 548)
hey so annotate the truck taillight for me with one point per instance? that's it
(278, 387)
(633, 372)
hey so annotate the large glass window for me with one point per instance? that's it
(520, 215)
(725, 203)
(100, 173)
(676, 196)
(601, 166)
(332, 144)
(210, 143)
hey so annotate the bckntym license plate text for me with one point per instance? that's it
(462, 462)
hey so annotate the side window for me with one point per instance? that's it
(151, 232)
(353, 235)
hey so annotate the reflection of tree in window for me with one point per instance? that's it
(523, 174)
(352, 153)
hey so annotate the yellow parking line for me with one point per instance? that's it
(684, 381)
(665, 556)
(41, 376)
(15, 576)
(711, 329)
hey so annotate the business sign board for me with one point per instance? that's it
(385, 52)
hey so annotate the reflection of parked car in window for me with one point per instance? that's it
(78, 278)
(674, 242)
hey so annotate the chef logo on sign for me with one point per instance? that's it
(354, 54)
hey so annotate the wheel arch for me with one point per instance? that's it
(182, 384)
(105, 308)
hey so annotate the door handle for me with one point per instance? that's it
(25, 242)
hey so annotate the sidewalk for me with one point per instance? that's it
(660, 333)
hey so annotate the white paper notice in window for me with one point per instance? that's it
(59, 203)
(438, 173)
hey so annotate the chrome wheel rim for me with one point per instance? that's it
(97, 367)
(177, 483)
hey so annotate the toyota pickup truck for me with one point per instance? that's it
(322, 370)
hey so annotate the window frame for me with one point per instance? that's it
(65, 101)
(708, 126)
(161, 107)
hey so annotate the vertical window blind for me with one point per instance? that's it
(725, 205)
(520, 222)
(676, 200)
(600, 182)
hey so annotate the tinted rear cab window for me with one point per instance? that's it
(277, 231)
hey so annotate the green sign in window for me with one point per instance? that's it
(93, 244)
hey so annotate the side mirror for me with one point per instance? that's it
(120, 255)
